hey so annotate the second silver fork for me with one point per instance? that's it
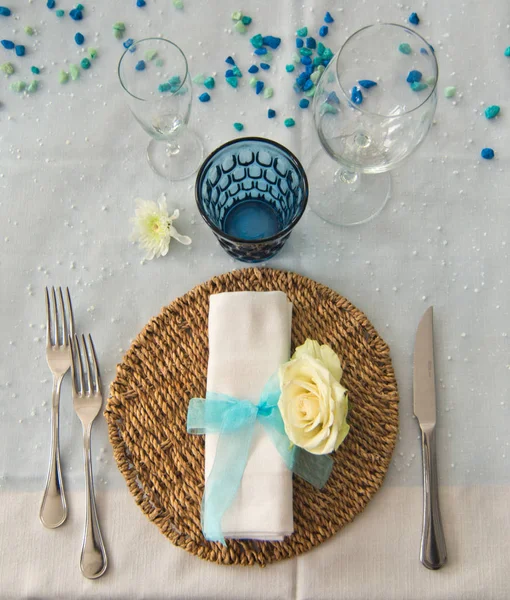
(59, 325)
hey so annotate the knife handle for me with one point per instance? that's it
(433, 546)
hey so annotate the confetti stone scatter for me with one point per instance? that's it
(18, 86)
(119, 29)
(492, 111)
(209, 83)
(487, 153)
(74, 71)
(7, 68)
(405, 48)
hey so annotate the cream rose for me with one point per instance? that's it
(313, 403)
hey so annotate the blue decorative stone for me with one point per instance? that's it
(76, 14)
(271, 41)
(299, 43)
(328, 18)
(204, 97)
(20, 50)
(367, 83)
(356, 95)
(265, 66)
(308, 85)
(4, 11)
(79, 38)
(323, 31)
(230, 61)
(229, 73)
(414, 19)
(140, 3)
(259, 87)
(414, 76)
(253, 69)
(306, 60)
(7, 44)
(128, 42)
(271, 114)
(304, 103)
(50, 4)
(260, 51)
(487, 153)
(140, 65)
(311, 43)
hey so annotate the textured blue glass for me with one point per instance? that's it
(251, 192)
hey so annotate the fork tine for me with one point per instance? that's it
(70, 313)
(63, 316)
(48, 320)
(73, 370)
(54, 316)
(80, 371)
(89, 375)
(97, 378)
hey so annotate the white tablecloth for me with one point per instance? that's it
(71, 164)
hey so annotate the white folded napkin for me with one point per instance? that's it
(249, 338)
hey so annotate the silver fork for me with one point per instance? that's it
(59, 324)
(87, 400)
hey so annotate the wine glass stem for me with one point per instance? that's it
(346, 176)
(172, 148)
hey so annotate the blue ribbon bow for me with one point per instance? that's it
(234, 420)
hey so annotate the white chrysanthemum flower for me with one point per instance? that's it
(153, 227)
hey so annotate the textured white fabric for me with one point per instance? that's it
(249, 337)
(72, 161)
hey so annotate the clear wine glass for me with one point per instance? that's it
(154, 73)
(364, 140)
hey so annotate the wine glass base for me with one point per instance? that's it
(176, 160)
(342, 198)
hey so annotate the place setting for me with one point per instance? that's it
(285, 405)
(287, 382)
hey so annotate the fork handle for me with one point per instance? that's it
(53, 511)
(93, 561)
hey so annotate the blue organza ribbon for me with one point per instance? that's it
(235, 420)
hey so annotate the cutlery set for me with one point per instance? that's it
(64, 351)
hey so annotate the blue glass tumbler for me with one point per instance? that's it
(251, 192)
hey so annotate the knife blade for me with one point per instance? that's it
(432, 545)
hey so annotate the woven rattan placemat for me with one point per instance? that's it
(167, 365)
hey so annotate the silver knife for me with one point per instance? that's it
(433, 546)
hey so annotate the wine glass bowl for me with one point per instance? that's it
(373, 106)
(154, 73)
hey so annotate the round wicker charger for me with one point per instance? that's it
(167, 365)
